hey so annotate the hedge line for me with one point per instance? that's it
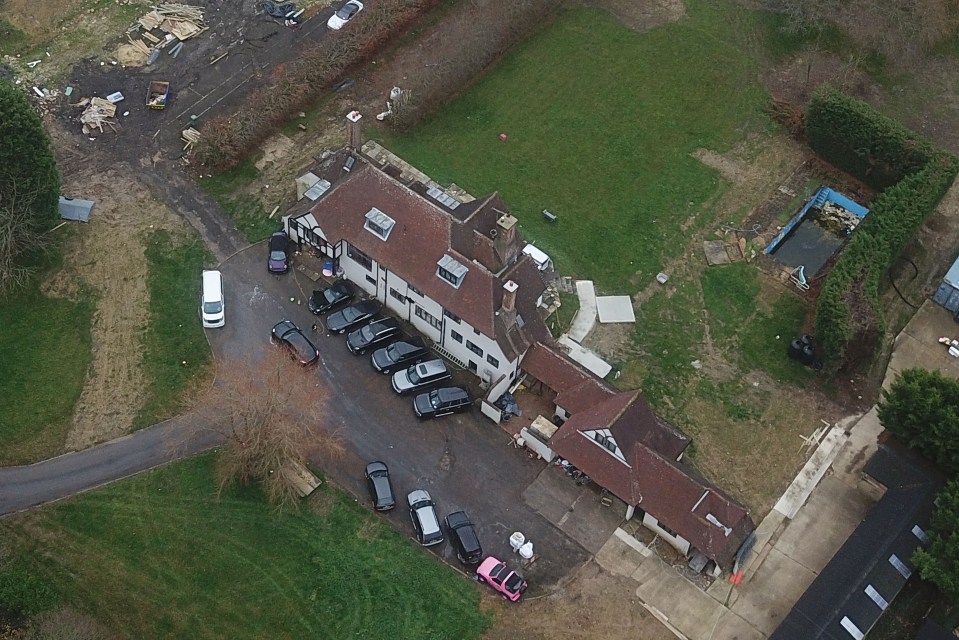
(485, 31)
(228, 139)
(848, 133)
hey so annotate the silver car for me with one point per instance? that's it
(420, 376)
(423, 515)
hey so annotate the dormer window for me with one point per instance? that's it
(378, 223)
(604, 438)
(450, 270)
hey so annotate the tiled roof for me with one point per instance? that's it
(419, 238)
(650, 478)
(576, 388)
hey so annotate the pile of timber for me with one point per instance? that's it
(98, 112)
(190, 136)
(183, 21)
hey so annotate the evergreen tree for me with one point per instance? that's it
(29, 188)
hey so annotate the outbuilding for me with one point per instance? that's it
(948, 293)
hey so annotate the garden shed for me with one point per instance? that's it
(948, 293)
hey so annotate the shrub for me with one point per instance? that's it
(914, 175)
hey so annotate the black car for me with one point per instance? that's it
(399, 355)
(338, 293)
(381, 489)
(279, 261)
(352, 316)
(287, 333)
(441, 402)
(376, 332)
(464, 538)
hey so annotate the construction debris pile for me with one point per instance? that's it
(98, 112)
(190, 136)
(178, 22)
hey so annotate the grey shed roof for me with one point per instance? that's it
(75, 209)
(850, 594)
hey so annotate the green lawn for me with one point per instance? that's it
(176, 351)
(44, 357)
(600, 123)
(157, 556)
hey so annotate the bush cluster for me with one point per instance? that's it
(913, 176)
(228, 139)
(485, 32)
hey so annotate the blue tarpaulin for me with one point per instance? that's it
(75, 209)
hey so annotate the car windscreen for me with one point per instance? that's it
(347, 12)
(393, 353)
(435, 399)
(513, 583)
(212, 307)
(413, 374)
(277, 255)
(367, 333)
(330, 296)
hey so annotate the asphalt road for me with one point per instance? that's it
(462, 460)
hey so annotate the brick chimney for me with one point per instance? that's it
(505, 243)
(354, 129)
(508, 310)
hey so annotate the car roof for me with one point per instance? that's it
(300, 342)
(386, 322)
(447, 394)
(457, 518)
(431, 367)
(277, 238)
(366, 306)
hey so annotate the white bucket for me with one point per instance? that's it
(516, 541)
(526, 551)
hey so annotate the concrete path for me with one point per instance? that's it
(586, 315)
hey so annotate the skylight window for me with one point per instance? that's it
(450, 270)
(378, 223)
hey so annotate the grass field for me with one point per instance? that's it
(44, 356)
(600, 123)
(158, 557)
(177, 352)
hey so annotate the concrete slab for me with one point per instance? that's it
(575, 510)
(585, 317)
(613, 309)
(715, 251)
(812, 472)
(773, 591)
(819, 529)
(586, 357)
(916, 345)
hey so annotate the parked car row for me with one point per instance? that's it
(458, 526)
(407, 359)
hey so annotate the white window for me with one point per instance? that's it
(450, 270)
(378, 223)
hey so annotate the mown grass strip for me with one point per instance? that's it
(159, 556)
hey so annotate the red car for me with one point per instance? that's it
(497, 575)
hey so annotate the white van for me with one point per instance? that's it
(212, 308)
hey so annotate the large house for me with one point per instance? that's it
(458, 271)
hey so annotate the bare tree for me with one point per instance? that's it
(271, 414)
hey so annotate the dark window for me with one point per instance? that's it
(371, 279)
(396, 294)
(472, 347)
(456, 336)
(415, 290)
(432, 320)
(472, 366)
(493, 361)
(449, 276)
(360, 258)
(451, 316)
(666, 529)
(476, 331)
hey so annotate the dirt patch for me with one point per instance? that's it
(643, 15)
(730, 168)
(107, 255)
(595, 604)
(612, 341)
(369, 529)
(321, 503)
(273, 150)
(794, 80)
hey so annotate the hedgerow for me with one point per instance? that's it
(228, 139)
(913, 176)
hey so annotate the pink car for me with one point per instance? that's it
(497, 575)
